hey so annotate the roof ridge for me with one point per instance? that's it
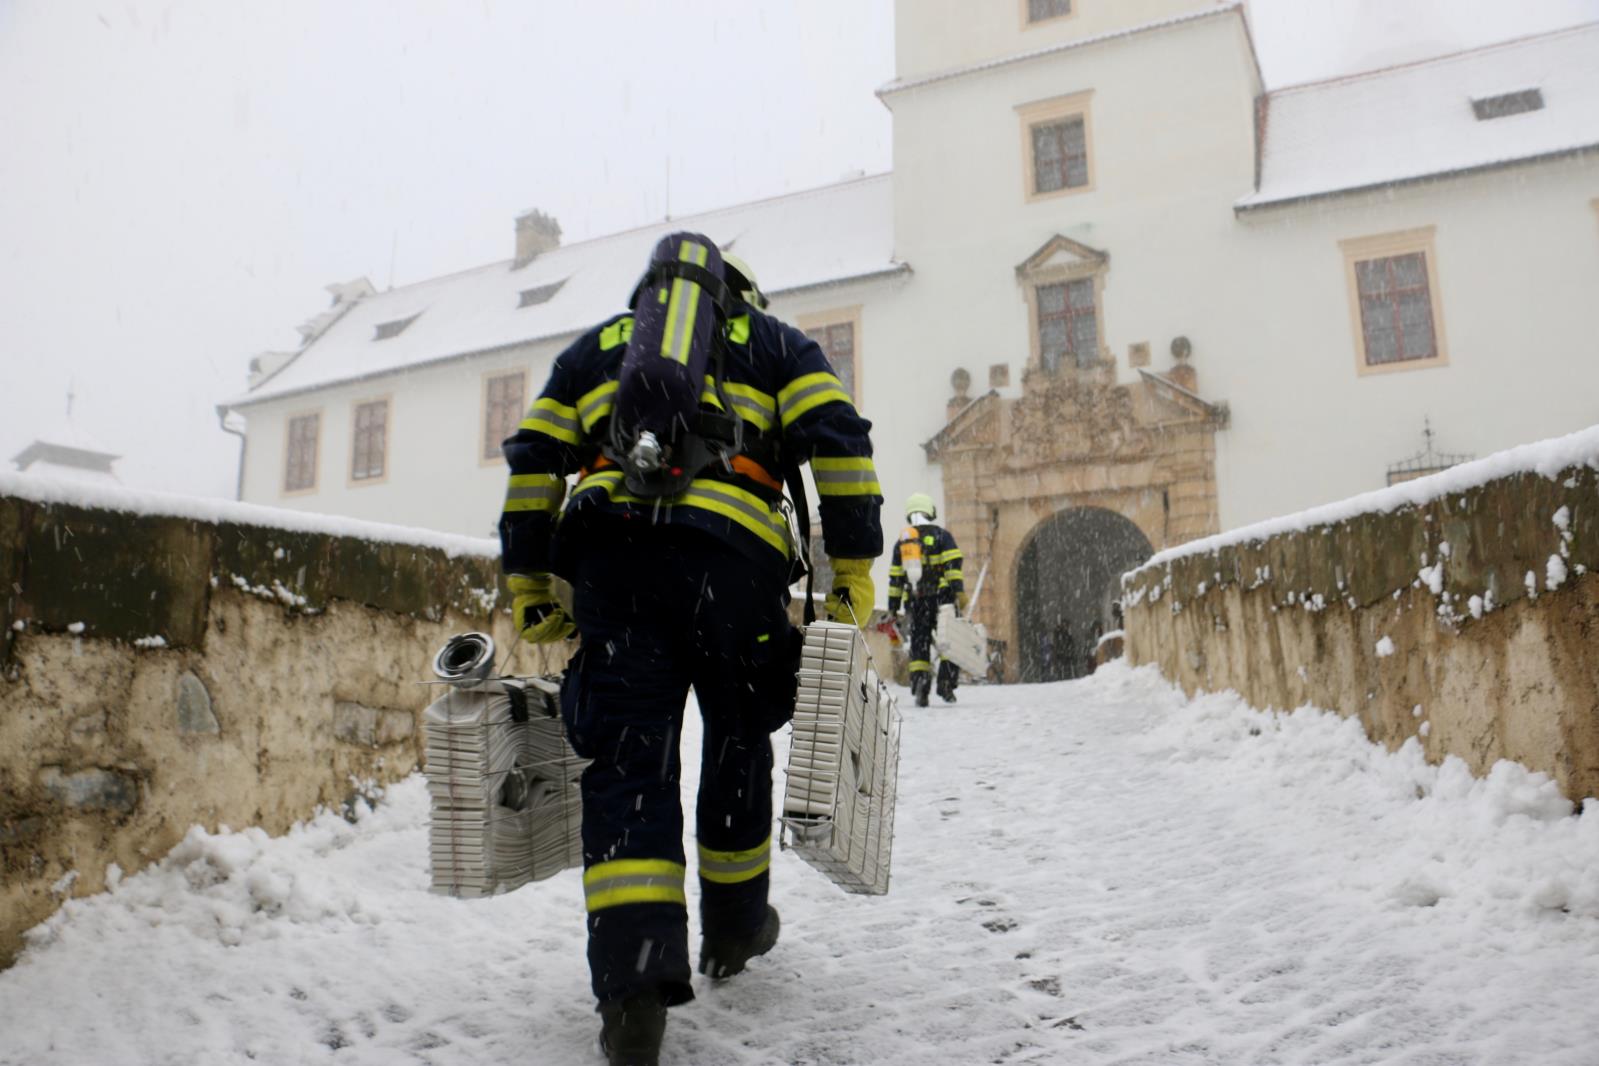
(795, 194)
(1445, 57)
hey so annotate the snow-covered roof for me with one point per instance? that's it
(1417, 121)
(802, 240)
(59, 460)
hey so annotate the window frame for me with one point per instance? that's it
(1028, 22)
(387, 400)
(840, 316)
(1389, 246)
(1048, 112)
(288, 450)
(1032, 281)
(489, 376)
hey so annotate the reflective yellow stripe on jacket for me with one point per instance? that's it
(534, 492)
(623, 881)
(846, 476)
(733, 867)
(729, 501)
(556, 419)
(808, 391)
(596, 404)
(754, 406)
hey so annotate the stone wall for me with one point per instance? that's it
(159, 671)
(1460, 610)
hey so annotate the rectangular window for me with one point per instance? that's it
(1395, 309)
(1043, 10)
(838, 341)
(1393, 291)
(503, 397)
(299, 469)
(838, 332)
(1057, 146)
(370, 450)
(1068, 325)
(1060, 155)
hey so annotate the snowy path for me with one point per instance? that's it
(1097, 872)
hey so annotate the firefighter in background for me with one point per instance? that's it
(677, 592)
(925, 573)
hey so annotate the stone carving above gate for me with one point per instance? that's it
(1073, 417)
(1075, 437)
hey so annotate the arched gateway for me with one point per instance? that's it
(1068, 578)
(1055, 491)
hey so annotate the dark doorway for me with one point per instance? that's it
(1068, 581)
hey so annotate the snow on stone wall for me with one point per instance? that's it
(167, 662)
(1456, 608)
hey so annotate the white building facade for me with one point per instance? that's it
(1081, 188)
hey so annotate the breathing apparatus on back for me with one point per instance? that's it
(662, 435)
(920, 510)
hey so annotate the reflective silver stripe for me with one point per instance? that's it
(726, 867)
(762, 414)
(555, 418)
(765, 517)
(730, 871)
(604, 401)
(535, 492)
(610, 884)
(829, 384)
(843, 476)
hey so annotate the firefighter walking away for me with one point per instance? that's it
(681, 420)
(924, 574)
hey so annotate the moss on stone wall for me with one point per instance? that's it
(162, 672)
(1467, 622)
(128, 576)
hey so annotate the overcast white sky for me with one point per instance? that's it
(179, 178)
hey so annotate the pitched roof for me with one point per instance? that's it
(1417, 121)
(824, 236)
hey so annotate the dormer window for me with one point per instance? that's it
(385, 330)
(539, 294)
(1507, 104)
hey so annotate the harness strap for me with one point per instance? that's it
(743, 465)
(802, 513)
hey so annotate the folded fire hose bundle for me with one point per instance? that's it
(504, 782)
(843, 762)
(961, 641)
(501, 777)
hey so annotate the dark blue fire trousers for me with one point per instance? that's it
(661, 609)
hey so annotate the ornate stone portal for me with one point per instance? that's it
(1073, 439)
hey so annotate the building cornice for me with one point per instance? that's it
(1250, 206)
(897, 86)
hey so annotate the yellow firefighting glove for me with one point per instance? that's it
(853, 593)
(537, 614)
(961, 599)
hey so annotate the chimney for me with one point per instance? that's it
(536, 233)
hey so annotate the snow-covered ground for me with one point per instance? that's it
(1096, 872)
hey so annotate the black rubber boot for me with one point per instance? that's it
(920, 683)
(631, 1029)
(723, 957)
